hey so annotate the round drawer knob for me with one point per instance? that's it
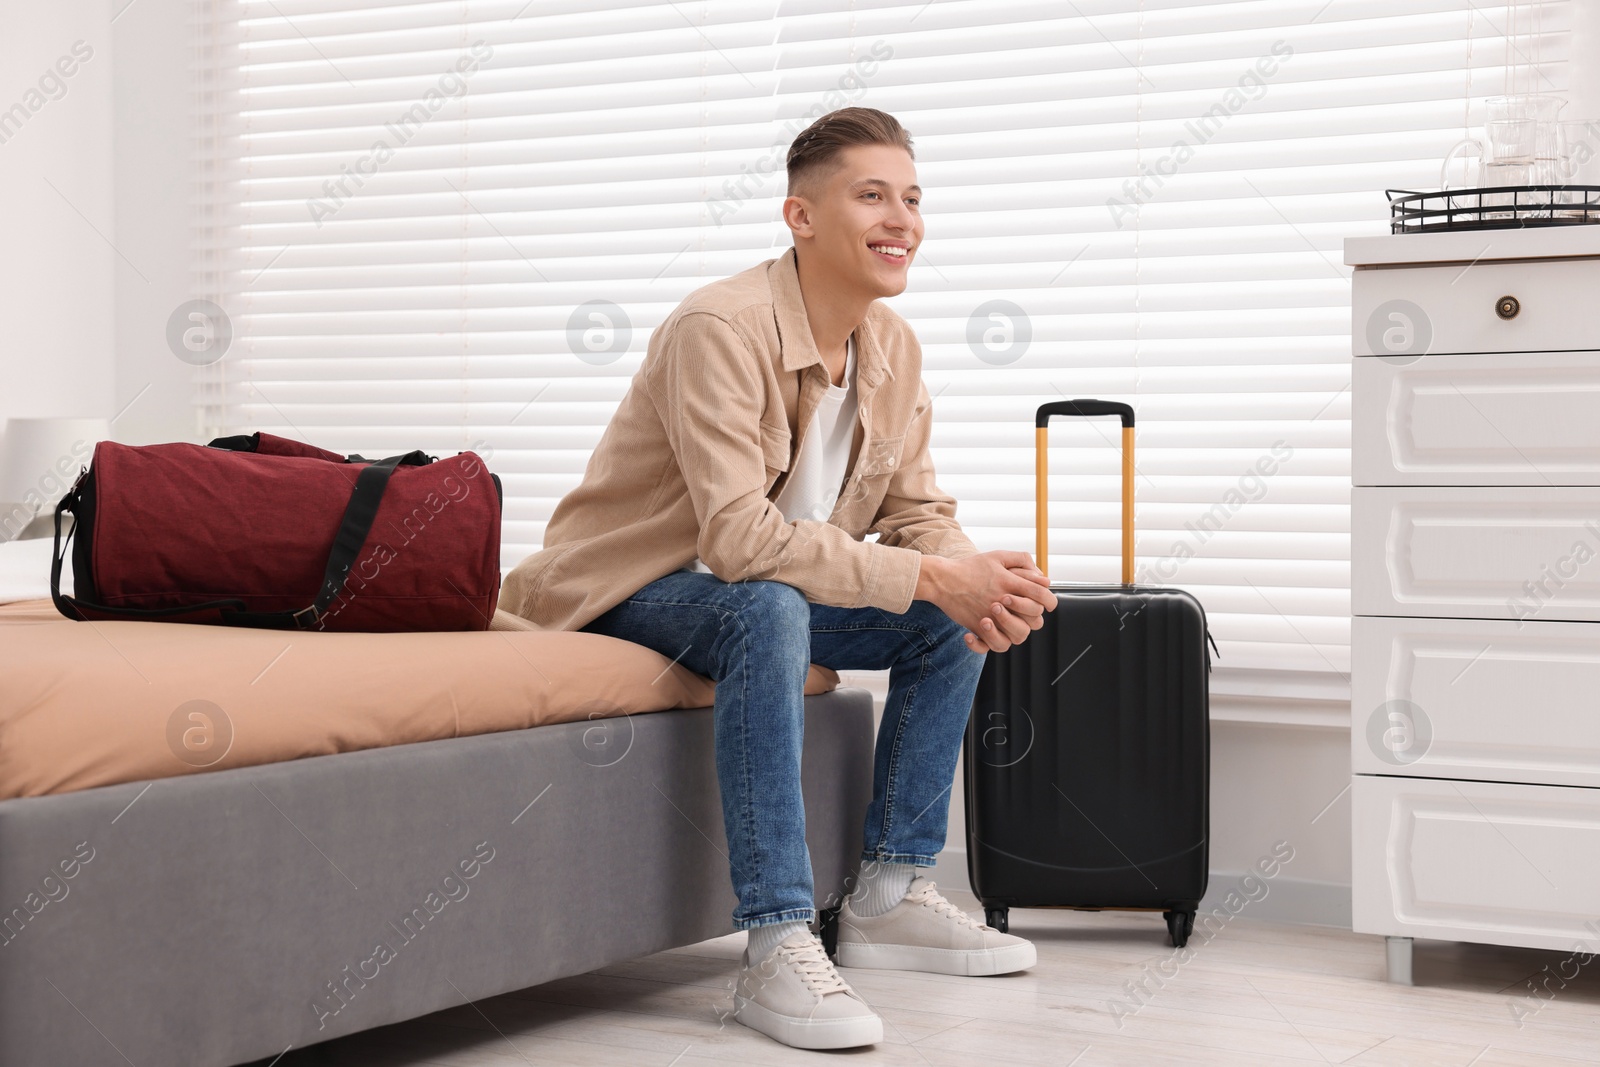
(1507, 307)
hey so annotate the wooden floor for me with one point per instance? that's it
(1256, 993)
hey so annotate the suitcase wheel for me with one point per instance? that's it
(1180, 924)
(997, 918)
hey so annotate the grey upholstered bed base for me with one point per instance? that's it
(220, 918)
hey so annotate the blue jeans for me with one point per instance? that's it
(756, 640)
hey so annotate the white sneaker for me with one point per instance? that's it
(795, 996)
(925, 932)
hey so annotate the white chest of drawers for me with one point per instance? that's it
(1475, 588)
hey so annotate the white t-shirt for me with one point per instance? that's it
(819, 470)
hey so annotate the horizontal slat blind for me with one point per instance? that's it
(1157, 192)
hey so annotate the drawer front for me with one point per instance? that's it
(1404, 313)
(1494, 553)
(1465, 698)
(1475, 861)
(1517, 419)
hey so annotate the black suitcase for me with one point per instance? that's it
(1087, 758)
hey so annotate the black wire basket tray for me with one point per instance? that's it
(1493, 208)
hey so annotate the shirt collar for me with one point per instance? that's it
(794, 329)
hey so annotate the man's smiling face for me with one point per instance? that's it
(865, 218)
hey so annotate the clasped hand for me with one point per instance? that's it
(1000, 597)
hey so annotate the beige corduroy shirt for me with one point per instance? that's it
(695, 454)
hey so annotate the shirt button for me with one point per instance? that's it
(889, 462)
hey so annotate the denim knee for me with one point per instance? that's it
(772, 612)
(933, 620)
(763, 601)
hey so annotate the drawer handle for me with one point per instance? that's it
(1507, 307)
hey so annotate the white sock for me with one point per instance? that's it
(763, 939)
(883, 885)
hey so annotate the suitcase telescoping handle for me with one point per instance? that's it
(1085, 408)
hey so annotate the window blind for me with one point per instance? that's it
(454, 225)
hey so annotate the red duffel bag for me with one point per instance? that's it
(259, 530)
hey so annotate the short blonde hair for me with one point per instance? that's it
(815, 153)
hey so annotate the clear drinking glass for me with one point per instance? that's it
(1545, 168)
(1577, 163)
(1520, 147)
(1513, 154)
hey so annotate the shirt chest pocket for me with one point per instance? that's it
(880, 456)
(864, 490)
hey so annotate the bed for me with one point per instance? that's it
(92, 704)
(216, 843)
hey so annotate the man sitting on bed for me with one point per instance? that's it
(779, 416)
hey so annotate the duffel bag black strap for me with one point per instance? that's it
(251, 442)
(359, 515)
(244, 442)
(414, 458)
(57, 553)
(70, 606)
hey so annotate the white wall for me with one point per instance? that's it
(57, 263)
(1273, 783)
(154, 110)
(91, 269)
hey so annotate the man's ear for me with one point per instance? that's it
(797, 216)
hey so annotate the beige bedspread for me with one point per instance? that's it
(88, 704)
